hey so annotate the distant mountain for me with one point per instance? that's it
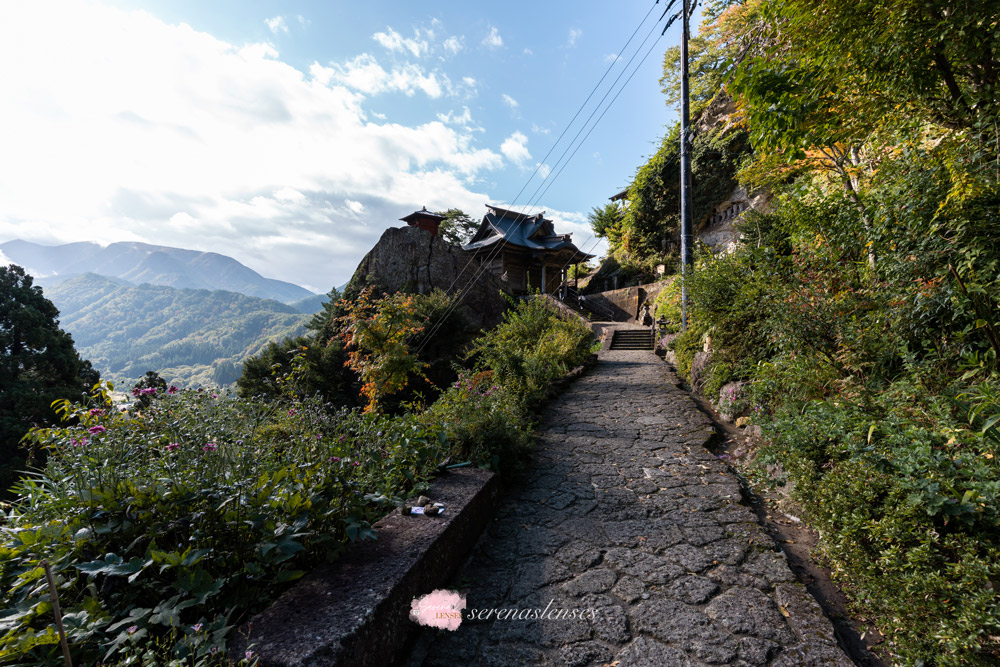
(310, 304)
(189, 336)
(145, 263)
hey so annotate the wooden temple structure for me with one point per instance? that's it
(424, 219)
(524, 250)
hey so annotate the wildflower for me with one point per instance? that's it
(214, 395)
(96, 412)
(173, 447)
(335, 459)
(197, 627)
(149, 391)
(319, 436)
(78, 443)
(132, 629)
(292, 411)
(239, 442)
(248, 655)
(97, 429)
(355, 463)
(172, 390)
(136, 392)
(210, 447)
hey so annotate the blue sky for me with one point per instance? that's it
(291, 134)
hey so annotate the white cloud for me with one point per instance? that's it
(364, 74)
(515, 148)
(509, 101)
(493, 40)
(574, 34)
(355, 206)
(538, 129)
(469, 81)
(277, 24)
(454, 44)
(528, 52)
(544, 170)
(611, 58)
(393, 41)
(195, 142)
(451, 118)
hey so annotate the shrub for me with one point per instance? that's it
(189, 513)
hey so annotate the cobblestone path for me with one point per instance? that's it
(624, 512)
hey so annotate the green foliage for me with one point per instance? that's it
(605, 221)
(185, 335)
(532, 347)
(190, 513)
(329, 312)
(322, 371)
(457, 228)
(38, 364)
(652, 220)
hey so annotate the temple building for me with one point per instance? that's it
(524, 250)
(424, 219)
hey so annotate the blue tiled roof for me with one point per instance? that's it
(533, 232)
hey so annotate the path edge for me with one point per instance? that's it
(356, 611)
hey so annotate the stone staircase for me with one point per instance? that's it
(632, 339)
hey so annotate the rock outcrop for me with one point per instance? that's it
(409, 259)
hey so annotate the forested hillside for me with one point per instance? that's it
(857, 323)
(190, 337)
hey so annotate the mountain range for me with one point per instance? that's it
(141, 263)
(191, 316)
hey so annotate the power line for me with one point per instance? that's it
(484, 265)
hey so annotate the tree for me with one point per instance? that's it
(457, 228)
(38, 364)
(320, 322)
(604, 220)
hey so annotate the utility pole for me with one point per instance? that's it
(687, 260)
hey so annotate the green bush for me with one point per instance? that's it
(187, 514)
(532, 347)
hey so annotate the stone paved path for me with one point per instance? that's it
(624, 512)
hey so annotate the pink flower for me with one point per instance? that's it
(210, 447)
(136, 392)
(172, 447)
(96, 412)
(97, 429)
(355, 463)
(335, 459)
(132, 629)
(292, 411)
(197, 627)
(78, 443)
(149, 391)
(248, 655)
(172, 390)
(214, 395)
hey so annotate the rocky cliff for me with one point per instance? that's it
(408, 259)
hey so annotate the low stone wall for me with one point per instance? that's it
(356, 611)
(625, 304)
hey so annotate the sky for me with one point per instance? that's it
(289, 135)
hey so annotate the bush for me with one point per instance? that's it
(182, 517)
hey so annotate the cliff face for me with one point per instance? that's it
(717, 229)
(408, 259)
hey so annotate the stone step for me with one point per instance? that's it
(632, 339)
